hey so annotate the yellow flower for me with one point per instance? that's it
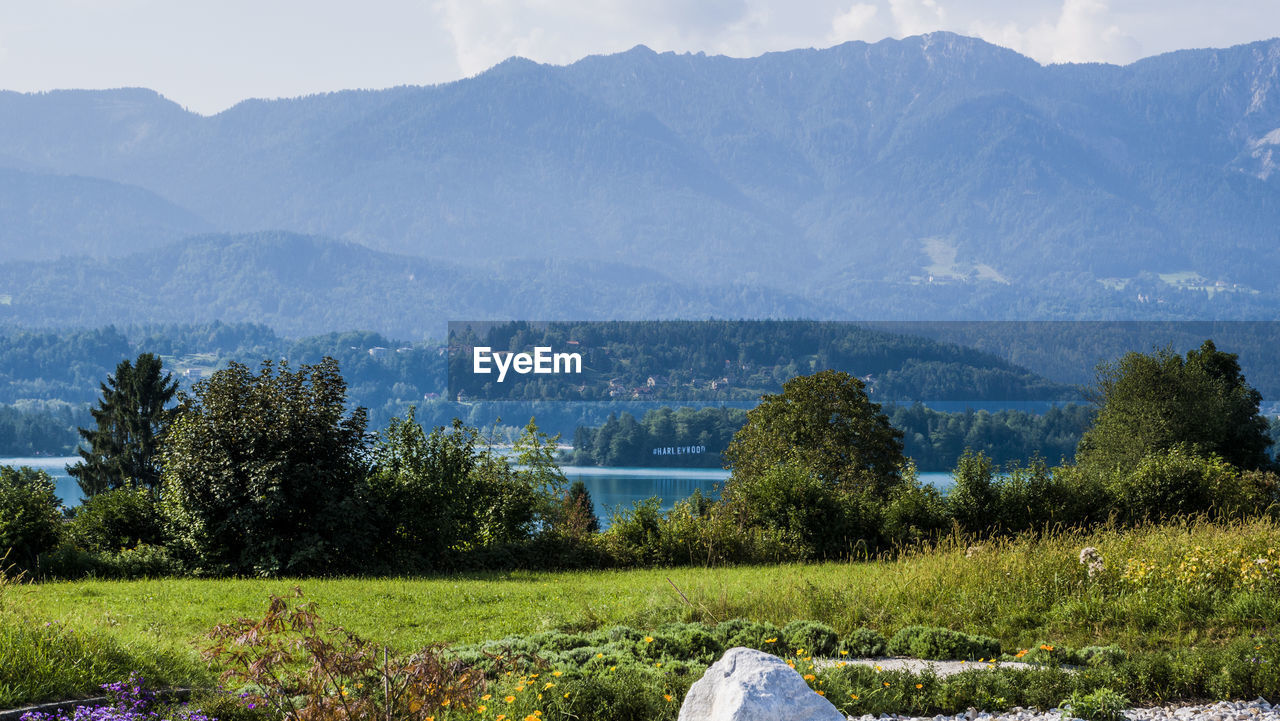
(648, 639)
(822, 693)
(886, 684)
(566, 694)
(547, 686)
(668, 697)
(809, 677)
(599, 655)
(480, 708)
(799, 651)
(557, 673)
(853, 696)
(919, 685)
(771, 640)
(486, 697)
(844, 652)
(415, 705)
(519, 689)
(510, 699)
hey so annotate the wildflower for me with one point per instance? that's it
(557, 673)
(822, 693)
(1092, 561)
(648, 639)
(843, 652)
(510, 699)
(886, 684)
(1046, 647)
(668, 697)
(853, 696)
(549, 685)
(919, 685)
(809, 677)
(480, 708)
(771, 640)
(486, 697)
(566, 694)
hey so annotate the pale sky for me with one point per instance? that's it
(209, 54)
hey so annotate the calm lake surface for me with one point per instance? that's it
(610, 488)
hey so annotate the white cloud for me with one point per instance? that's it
(1083, 31)
(851, 24)
(913, 17)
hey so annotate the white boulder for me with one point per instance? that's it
(750, 685)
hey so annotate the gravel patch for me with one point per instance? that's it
(916, 665)
(1258, 710)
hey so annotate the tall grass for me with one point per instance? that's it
(1192, 583)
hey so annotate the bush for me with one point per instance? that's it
(1175, 482)
(114, 520)
(29, 517)
(1100, 705)
(823, 520)
(865, 643)
(752, 634)
(267, 474)
(974, 501)
(942, 644)
(141, 561)
(914, 514)
(817, 639)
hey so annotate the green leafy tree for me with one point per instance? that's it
(580, 511)
(1149, 403)
(29, 515)
(131, 420)
(824, 425)
(267, 473)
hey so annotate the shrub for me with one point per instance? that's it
(29, 517)
(865, 643)
(1100, 705)
(141, 561)
(114, 520)
(1175, 482)
(817, 639)
(752, 634)
(1103, 655)
(266, 473)
(942, 644)
(304, 671)
(974, 500)
(914, 513)
(823, 519)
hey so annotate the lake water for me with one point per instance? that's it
(614, 487)
(610, 488)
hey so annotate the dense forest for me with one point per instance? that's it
(932, 439)
(737, 360)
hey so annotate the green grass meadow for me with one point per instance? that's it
(1186, 585)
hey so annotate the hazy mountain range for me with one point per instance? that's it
(932, 177)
